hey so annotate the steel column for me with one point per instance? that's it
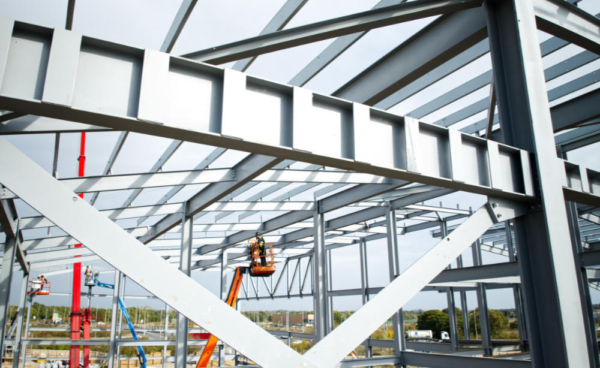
(19, 331)
(394, 271)
(113, 319)
(451, 302)
(484, 321)
(187, 234)
(223, 278)
(24, 345)
(8, 262)
(544, 254)
(165, 337)
(516, 288)
(319, 276)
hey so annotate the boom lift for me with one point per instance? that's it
(261, 265)
(95, 282)
(231, 299)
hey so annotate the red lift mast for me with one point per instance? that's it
(76, 304)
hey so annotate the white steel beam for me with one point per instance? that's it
(328, 29)
(455, 158)
(118, 248)
(29, 124)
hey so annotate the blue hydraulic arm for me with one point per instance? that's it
(141, 353)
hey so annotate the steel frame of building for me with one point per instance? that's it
(541, 211)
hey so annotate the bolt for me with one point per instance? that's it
(494, 205)
(74, 199)
(499, 215)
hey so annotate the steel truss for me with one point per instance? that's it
(66, 88)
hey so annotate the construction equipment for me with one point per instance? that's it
(261, 265)
(231, 299)
(141, 355)
(39, 287)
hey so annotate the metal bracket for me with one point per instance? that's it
(502, 210)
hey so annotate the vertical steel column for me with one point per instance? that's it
(19, 321)
(120, 318)
(165, 337)
(484, 320)
(364, 285)
(224, 292)
(451, 302)
(113, 320)
(187, 229)
(8, 263)
(543, 237)
(394, 268)
(584, 292)
(463, 304)
(24, 345)
(328, 276)
(516, 288)
(319, 278)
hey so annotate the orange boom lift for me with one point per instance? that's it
(231, 299)
(256, 269)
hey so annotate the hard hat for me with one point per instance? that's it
(256, 234)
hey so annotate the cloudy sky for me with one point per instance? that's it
(144, 24)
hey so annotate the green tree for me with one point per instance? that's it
(498, 322)
(438, 321)
(434, 320)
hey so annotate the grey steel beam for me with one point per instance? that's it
(328, 29)
(443, 360)
(8, 215)
(9, 115)
(331, 52)
(111, 160)
(185, 9)
(577, 111)
(118, 248)
(526, 123)
(444, 38)
(277, 23)
(450, 299)
(568, 22)
(70, 14)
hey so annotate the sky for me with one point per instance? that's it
(144, 24)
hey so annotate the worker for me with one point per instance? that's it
(43, 280)
(88, 275)
(262, 249)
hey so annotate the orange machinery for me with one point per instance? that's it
(257, 269)
(38, 288)
(231, 299)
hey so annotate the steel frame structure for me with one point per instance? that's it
(58, 81)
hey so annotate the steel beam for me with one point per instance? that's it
(441, 40)
(277, 23)
(185, 263)
(353, 152)
(331, 52)
(113, 319)
(575, 112)
(526, 123)
(444, 360)
(328, 29)
(568, 22)
(185, 9)
(118, 248)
